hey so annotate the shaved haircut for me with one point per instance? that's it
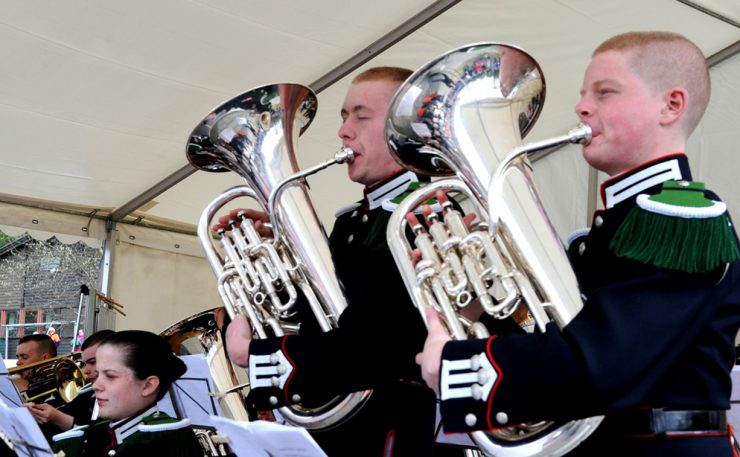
(664, 60)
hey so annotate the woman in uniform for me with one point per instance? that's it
(135, 370)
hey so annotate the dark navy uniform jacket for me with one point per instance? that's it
(646, 337)
(374, 346)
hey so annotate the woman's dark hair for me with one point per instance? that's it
(148, 354)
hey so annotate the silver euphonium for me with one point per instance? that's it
(253, 135)
(464, 114)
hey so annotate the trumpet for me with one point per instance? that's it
(56, 381)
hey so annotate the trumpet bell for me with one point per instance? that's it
(56, 381)
(69, 380)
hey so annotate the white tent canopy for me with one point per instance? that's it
(97, 100)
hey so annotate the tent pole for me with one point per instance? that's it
(723, 54)
(386, 41)
(709, 12)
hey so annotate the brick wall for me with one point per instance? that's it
(46, 276)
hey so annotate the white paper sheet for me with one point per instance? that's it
(267, 439)
(21, 430)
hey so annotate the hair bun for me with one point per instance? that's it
(177, 367)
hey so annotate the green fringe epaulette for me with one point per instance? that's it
(678, 229)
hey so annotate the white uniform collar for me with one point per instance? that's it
(630, 183)
(389, 189)
(127, 427)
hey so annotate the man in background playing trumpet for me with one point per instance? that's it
(79, 411)
(31, 349)
(399, 418)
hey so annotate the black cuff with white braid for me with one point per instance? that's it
(466, 384)
(269, 372)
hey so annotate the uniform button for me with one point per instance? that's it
(296, 398)
(274, 358)
(581, 248)
(350, 238)
(483, 376)
(475, 362)
(364, 218)
(273, 401)
(470, 420)
(281, 369)
(598, 221)
(502, 418)
(476, 391)
(111, 453)
(275, 381)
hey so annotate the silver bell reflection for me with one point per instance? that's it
(433, 127)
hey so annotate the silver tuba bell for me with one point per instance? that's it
(464, 114)
(253, 135)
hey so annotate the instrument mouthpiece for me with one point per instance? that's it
(344, 155)
(580, 134)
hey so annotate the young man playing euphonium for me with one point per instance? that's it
(653, 347)
(399, 418)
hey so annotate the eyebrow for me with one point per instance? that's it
(355, 109)
(111, 371)
(599, 83)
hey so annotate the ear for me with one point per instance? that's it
(150, 386)
(676, 103)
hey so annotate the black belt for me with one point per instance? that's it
(659, 421)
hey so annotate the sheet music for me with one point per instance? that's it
(267, 439)
(192, 393)
(21, 430)
(8, 393)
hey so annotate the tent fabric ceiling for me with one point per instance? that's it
(97, 99)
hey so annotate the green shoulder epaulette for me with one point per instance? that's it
(678, 229)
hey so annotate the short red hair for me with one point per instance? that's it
(393, 74)
(664, 60)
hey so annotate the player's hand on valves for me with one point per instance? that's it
(260, 220)
(442, 198)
